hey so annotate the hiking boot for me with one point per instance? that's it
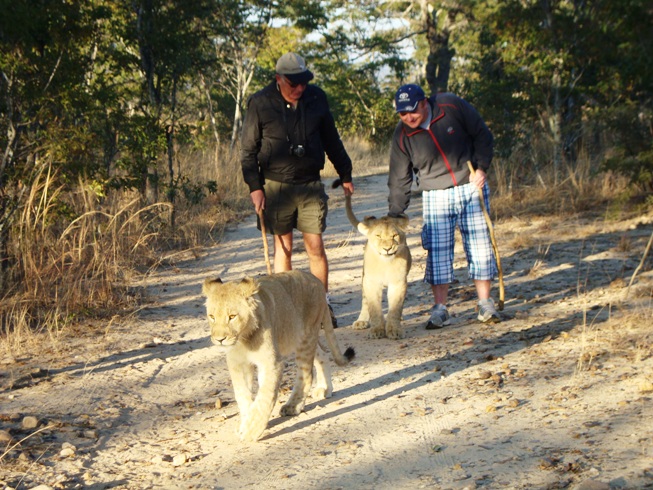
(333, 317)
(487, 313)
(439, 318)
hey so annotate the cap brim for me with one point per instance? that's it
(408, 107)
(303, 77)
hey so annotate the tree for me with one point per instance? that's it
(44, 107)
(552, 61)
(441, 20)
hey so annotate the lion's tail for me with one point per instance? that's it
(332, 343)
(350, 212)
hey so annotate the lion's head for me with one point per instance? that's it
(386, 235)
(231, 309)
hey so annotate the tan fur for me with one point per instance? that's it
(261, 321)
(386, 262)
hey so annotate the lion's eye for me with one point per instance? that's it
(211, 318)
(231, 317)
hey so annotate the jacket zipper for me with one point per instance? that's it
(435, 140)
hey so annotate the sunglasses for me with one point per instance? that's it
(293, 85)
(417, 108)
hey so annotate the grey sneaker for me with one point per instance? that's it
(487, 313)
(439, 318)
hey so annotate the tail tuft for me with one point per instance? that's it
(350, 353)
(336, 183)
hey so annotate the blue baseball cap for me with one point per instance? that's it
(407, 97)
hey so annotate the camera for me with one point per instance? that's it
(297, 150)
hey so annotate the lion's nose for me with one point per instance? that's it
(218, 340)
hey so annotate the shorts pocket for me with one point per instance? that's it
(425, 237)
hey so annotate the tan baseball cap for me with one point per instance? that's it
(293, 67)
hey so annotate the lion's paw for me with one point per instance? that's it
(393, 329)
(320, 393)
(291, 410)
(377, 333)
(361, 325)
(249, 432)
(396, 333)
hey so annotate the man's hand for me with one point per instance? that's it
(479, 178)
(258, 199)
(348, 187)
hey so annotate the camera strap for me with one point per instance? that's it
(298, 117)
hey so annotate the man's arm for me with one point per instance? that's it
(250, 145)
(400, 177)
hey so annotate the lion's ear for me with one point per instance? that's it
(402, 221)
(248, 287)
(210, 285)
(365, 225)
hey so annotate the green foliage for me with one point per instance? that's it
(307, 15)
(629, 129)
(543, 70)
(112, 93)
(193, 192)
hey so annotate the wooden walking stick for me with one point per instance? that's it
(490, 228)
(265, 242)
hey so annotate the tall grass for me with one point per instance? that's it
(526, 184)
(65, 270)
(75, 254)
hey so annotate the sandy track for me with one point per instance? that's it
(557, 396)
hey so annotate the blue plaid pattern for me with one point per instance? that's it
(443, 210)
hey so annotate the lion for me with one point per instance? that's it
(260, 321)
(386, 262)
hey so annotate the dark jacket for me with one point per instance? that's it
(271, 127)
(438, 156)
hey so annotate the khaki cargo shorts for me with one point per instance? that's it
(300, 206)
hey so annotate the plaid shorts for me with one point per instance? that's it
(443, 210)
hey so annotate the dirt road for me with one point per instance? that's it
(559, 395)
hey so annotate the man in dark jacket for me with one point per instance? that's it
(288, 128)
(433, 142)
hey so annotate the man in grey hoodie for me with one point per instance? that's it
(432, 143)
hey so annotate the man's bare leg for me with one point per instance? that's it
(283, 252)
(483, 288)
(440, 293)
(317, 259)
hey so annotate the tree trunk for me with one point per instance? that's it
(245, 74)
(170, 142)
(555, 125)
(438, 25)
(214, 125)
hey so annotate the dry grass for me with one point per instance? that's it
(628, 335)
(625, 244)
(528, 185)
(70, 270)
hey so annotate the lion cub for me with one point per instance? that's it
(386, 262)
(262, 320)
